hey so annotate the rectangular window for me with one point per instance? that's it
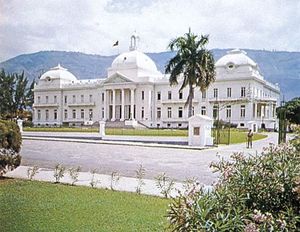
(180, 95)
(102, 112)
(91, 114)
(203, 110)
(158, 113)
(193, 111)
(55, 99)
(82, 113)
(158, 96)
(82, 98)
(66, 114)
(169, 112)
(180, 112)
(91, 98)
(66, 99)
(228, 92)
(169, 95)
(47, 99)
(39, 114)
(228, 111)
(143, 95)
(197, 131)
(203, 94)
(55, 115)
(215, 111)
(143, 113)
(215, 92)
(47, 114)
(102, 97)
(74, 113)
(243, 92)
(74, 98)
(243, 111)
(39, 99)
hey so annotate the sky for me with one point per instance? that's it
(92, 26)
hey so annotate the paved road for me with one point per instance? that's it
(177, 163)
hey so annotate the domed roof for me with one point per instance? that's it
(58, 72)
(134, 59)
(235, 57)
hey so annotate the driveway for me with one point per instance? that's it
(106, 158)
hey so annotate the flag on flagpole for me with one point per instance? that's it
(116, 43)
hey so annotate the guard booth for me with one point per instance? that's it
(200, 130)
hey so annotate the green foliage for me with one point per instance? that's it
(10, 145)
(41, 206)
(15, 94)
(165, 184)
(194, 62)
(139, 174)
(259, 193)
(74, 174)
(59, 172)
(32, 171)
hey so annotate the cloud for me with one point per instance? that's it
(93, 26)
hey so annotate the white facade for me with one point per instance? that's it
(135, 92)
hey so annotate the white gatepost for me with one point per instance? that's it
(102, 128)
(200, 130)
(20, 124)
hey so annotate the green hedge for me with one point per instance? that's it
(10, 146)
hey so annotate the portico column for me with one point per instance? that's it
(122, 105)
(105, 105)
(132, 104)
(114, 105)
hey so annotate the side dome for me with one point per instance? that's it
(235, 57)
(58, 72)
(134, 59)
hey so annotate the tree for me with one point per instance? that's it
(194, 62)
(293, 110)
(15, 94)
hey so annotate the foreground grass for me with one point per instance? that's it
(39, 206)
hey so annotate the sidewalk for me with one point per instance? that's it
(126, 184)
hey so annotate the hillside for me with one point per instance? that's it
(276, 66)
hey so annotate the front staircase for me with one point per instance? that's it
(121, 124)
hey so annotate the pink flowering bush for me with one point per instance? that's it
(256, 193)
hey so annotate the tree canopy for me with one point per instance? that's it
(194, 62)
(16, 94)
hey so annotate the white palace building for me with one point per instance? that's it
(135, 93)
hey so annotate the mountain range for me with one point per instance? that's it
(276, 66)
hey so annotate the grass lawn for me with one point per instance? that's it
(39, 206)
(236, 136)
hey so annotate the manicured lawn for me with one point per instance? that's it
(236, 136)
(38, 206)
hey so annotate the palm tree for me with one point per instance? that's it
(194, 62)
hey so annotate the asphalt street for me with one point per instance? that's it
(179, 164)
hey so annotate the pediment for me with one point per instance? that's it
(117, 78)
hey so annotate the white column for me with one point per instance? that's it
(132, 104)
(105, 106)
(123, 105)
(114, 105)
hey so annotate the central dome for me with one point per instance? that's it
(134, 59)
(58, 72)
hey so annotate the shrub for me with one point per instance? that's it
(94, 181)
(165, 184)
(114, 180)
(32, 171)
(259, 193)
(74, 174)
(10, 145)
(59, 172)
(140, 173)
